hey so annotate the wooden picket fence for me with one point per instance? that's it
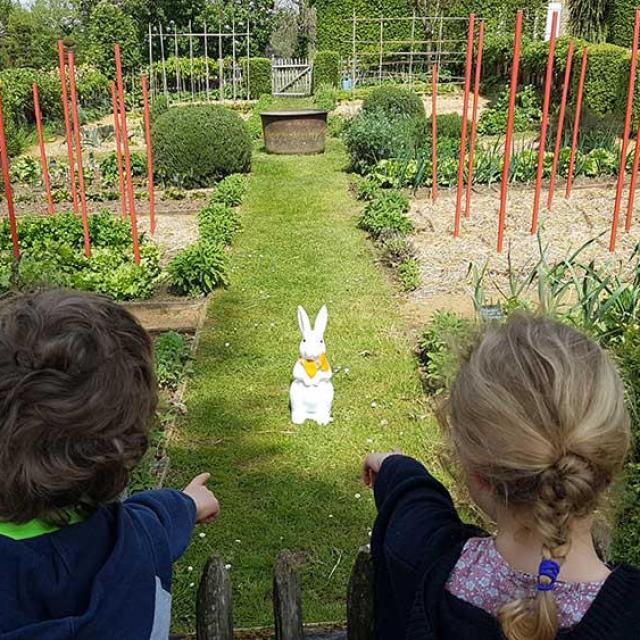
(214, 608)
(292, 77)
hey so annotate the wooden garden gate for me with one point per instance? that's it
(292, 77)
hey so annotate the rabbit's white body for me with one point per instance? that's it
(312, 391)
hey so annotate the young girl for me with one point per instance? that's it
(537, 421)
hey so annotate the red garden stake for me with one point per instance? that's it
(544, 125)
(509, 137)
(625, 137)
(465, 113)
(633, 184)
(563, 110)
(67, 125)
(474, 118)
(117, 130)
(127, 156)
(4, 157)
(76, 128)
(43, 153)
(147, 127)
(576, 123)
(434, 132)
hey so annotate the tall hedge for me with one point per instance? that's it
(258, 73)
(335, 25)
(326, 69)
(198, 144)
(606, 81)
(620, 22)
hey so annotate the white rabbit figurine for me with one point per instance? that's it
(312, 390)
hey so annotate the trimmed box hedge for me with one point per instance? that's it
(197, 145)
(257, 73)
(326, 69)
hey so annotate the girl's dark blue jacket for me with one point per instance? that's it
(106, 578)
(416, 542)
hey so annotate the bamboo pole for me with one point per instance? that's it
(354, 52)
(509, 137)
(544, 125)
(627, 132)
(233, 50)
(465, 114)
(150, 181)
(164, 63)
(474, 118)
(67, 125)
(127, 157)
(43, 151)
(118, 140)
(381, 49)
(152, 74)
(193, 95)
(560, 131)
(434, 133)
(576, 123)
(177, 54)
(76, 127)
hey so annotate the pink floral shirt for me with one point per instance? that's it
(483, 578)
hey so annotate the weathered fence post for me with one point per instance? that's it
(214, 610)
(287, 599)
(360, 595)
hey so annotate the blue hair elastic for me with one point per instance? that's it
(548, 575)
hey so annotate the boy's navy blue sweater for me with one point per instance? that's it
(106, 577)
(416, 542)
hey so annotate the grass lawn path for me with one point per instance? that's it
(280, 485)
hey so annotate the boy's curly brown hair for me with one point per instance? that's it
(77, 393)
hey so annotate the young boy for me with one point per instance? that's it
(77, 394)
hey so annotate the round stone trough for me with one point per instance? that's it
(301, 132)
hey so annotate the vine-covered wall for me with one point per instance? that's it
(334, 21)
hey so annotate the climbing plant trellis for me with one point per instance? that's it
(211, 76)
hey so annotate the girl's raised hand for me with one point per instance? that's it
(373, 464)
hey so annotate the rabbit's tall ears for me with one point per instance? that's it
(303, 321)
(321, 321)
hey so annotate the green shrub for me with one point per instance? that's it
(620, 22)
(449, 126)
(109, 167)
(527, 114)
(410, 274)
(172, 355)
(108, 24)
(443, 343)
(326, 97)
(605, 82)
(198, 269)
(230, 191)
(218, 223)
(257, 72)
(387, 214)
(326, 69)
(396, 249)
(52, 255)
(159, 106)
(367, 189)
(394, 101)
(626, 535)
(197, 145)
(375, 135)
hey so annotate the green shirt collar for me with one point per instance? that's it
(34, 528)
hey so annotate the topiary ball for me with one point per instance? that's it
(394, 101)
(197, 145)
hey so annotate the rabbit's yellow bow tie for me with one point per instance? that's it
(313, 366)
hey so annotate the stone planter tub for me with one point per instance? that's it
(300, 132)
